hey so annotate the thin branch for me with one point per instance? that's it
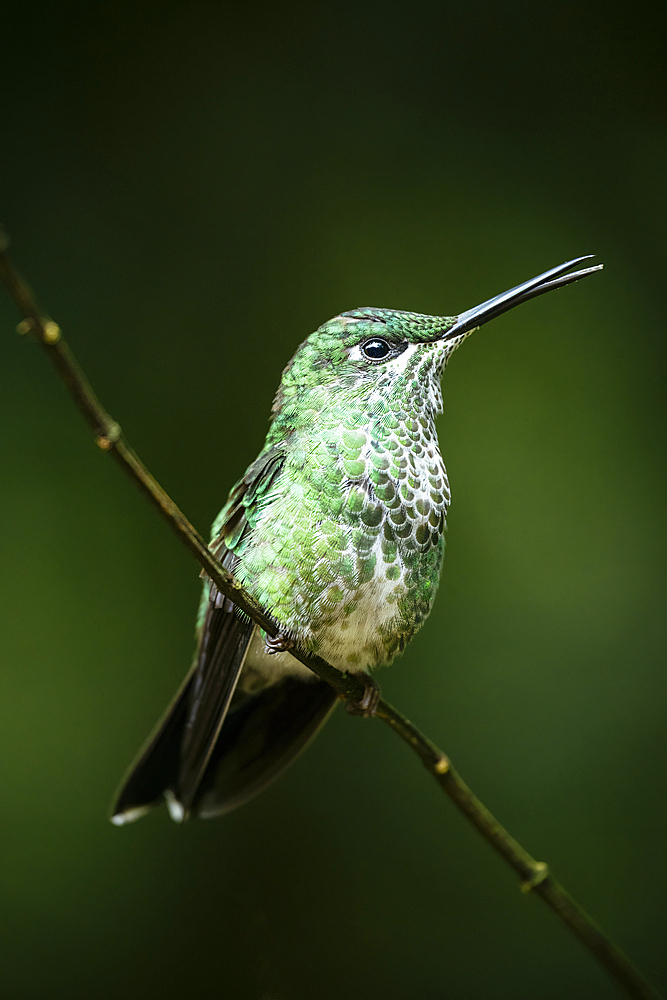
(534, 875)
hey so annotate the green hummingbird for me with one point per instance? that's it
(337, 531)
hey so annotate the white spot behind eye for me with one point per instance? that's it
(396, 365)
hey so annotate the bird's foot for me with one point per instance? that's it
(278, 644)
(367, 705)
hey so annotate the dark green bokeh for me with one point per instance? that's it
(191, 189)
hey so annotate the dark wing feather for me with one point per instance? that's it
(225, 639)
(177, 754)
(225, 634)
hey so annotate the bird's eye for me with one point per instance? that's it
(375, 349)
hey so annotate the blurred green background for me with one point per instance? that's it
(191, 188)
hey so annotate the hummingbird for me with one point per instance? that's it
(337, 531)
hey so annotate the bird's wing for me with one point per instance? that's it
(225, 633)
(175, 757)
(246, 499)
(222, 650)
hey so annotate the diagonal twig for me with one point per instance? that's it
(534, 875)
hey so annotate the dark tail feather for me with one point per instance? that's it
(257, 742)
(260, 739)
(177, 753)
(158, 763)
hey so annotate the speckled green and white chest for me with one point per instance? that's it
(347, 548)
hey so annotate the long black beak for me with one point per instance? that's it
(555, 278)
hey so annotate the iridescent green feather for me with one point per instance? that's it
(338, 527)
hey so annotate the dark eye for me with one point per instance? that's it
(376, 349)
